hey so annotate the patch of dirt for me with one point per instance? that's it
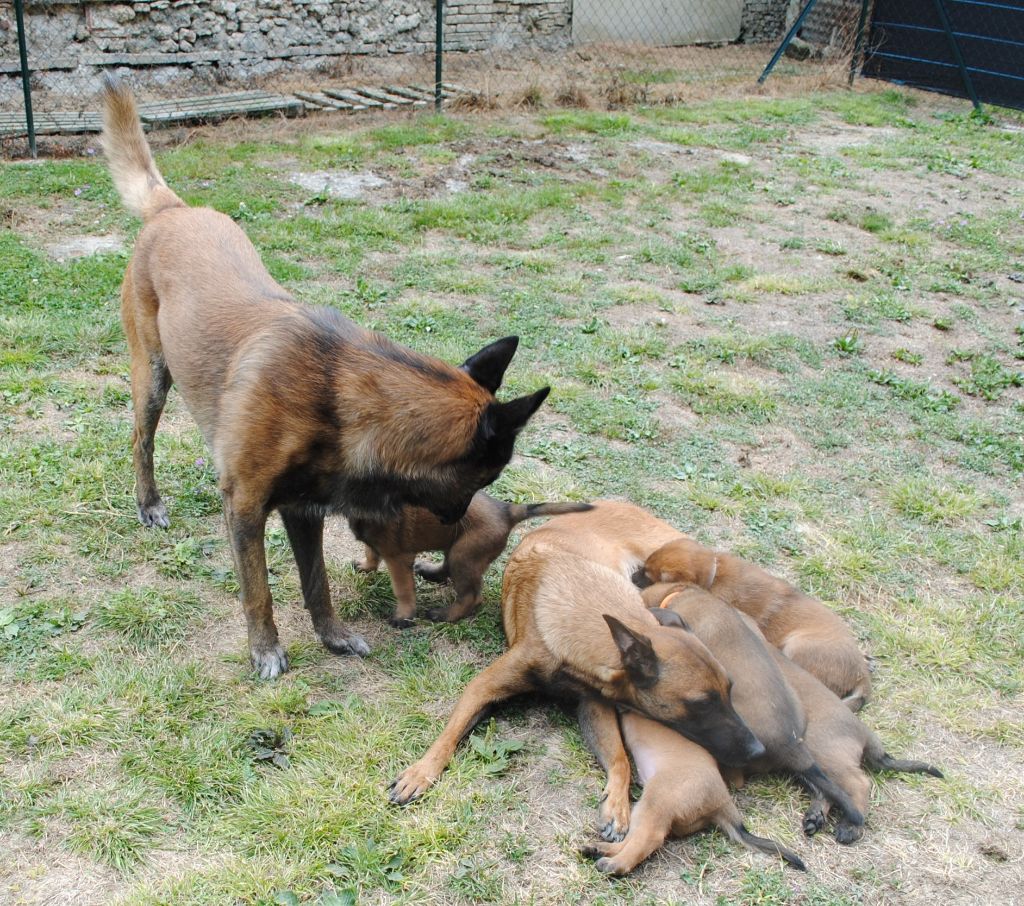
(37, 872)
(84, 246)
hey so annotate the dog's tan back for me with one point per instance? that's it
(802, 627)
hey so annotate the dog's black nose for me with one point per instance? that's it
(755, 748)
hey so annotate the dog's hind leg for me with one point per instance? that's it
(306, 534)
(150, 382)
(599, 724)
(511, 674)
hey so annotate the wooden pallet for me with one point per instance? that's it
(215, 107)
(60, 123)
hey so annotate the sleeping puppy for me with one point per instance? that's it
(804, 629)
(683, 791)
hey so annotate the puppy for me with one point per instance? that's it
(761, 694)
(683, 793)
(304, 411)
(806, 631)
(470, 546)
(841, 743)
(577, 628)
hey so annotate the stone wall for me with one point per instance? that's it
(220, 40)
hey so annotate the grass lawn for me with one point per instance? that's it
(792, 326)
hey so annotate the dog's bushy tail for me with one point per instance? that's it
(517, 512)
(138, 182)
(876, 757)
(737, 832)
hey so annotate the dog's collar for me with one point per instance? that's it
(667, 598)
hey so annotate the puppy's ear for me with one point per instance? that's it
(487, 367)
(638, 657)
(669, 618)
(511, 417)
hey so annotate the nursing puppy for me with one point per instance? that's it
(470, 546)
(579, 629)
(304, 411)
(841, 744)
(761, 694)
(683, 793)
(804, 629)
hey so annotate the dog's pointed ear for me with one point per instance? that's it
(669, 618)
(638, 657)
(512, 416)
(487, 367)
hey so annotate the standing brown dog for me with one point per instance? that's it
(804, 629)
(304, 411)
(470, 546)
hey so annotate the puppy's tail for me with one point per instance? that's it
(876, 757)
(517, 512)
(138, 182)
(740, 834)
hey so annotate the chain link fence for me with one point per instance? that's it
(203, 59)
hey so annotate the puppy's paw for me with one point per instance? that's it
(610, 867)
(412, 783)
(593, 851)
(402, 622)
(814, 820)
(613, 818)
(154, 515)
(847, 833)
(269, 663)
(362, 566)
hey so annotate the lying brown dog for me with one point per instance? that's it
(683, 793)
(304, 411)
(577, 628)
(761, 694)
(470, 546)
(840, 743)
(804, 629)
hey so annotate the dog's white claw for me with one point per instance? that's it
(270, 664)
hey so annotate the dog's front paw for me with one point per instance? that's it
(341, 641)
(412, 783)
(269, 663)
(610, 867)
(154, 515)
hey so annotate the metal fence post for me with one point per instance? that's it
(955, 47)
(790, 35)
(438, 51)
(859, 41)
(19, 14)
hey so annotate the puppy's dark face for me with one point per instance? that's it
(678, 681)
